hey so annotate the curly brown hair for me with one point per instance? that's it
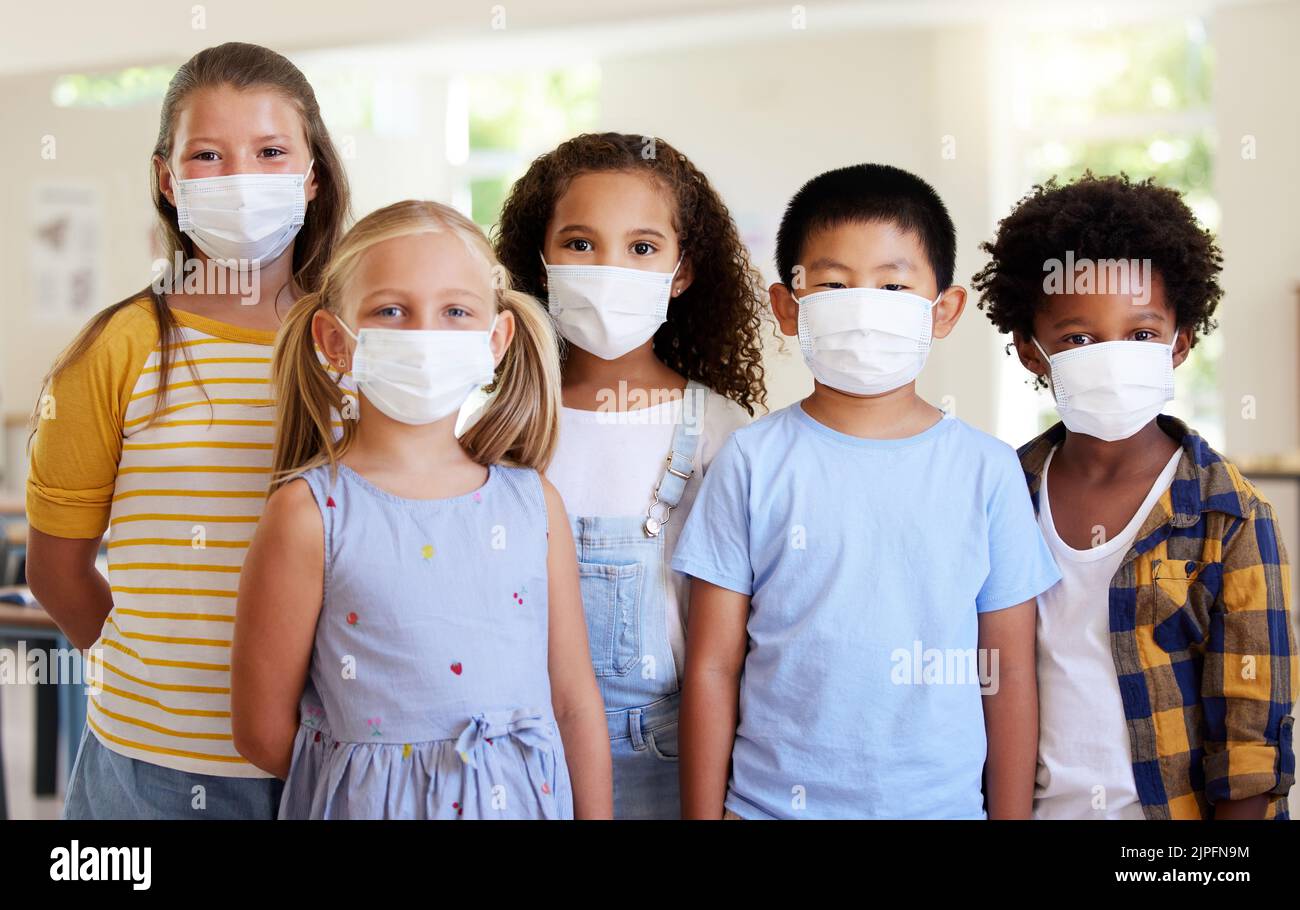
(713, 330)
(1100, 217)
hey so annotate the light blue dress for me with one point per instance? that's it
(429, 695)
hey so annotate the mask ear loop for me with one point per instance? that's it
(1048, 361)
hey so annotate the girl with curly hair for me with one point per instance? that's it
(660, 309)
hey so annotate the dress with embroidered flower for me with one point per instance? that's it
(429, 694)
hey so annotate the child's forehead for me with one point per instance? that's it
(863, 245)
(1135, 304)
(430, 258)
(614, 198)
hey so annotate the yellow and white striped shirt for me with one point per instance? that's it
(180, 498)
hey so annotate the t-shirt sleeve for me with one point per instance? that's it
(722, 418)
(1020, 564)
(714, 545)
(79, 432)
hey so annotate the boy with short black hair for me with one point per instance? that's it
(1166, 664)
(862, 562)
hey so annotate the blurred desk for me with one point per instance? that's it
(60, 703)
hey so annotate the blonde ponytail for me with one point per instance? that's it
(307, 399)
(520, 423)
(517, 426)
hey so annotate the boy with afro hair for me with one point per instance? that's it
(1166, 662)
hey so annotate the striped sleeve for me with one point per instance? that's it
(79, 434)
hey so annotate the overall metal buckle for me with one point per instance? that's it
(655, 521)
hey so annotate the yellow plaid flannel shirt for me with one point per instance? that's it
(1201, 638)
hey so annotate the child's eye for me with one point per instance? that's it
(1076, 339)
(206, 156)
(273, 152)
(643, 248)
(834, 285)
(894, 287)
(456, 312)
(391, 310)
(578, 245)
(1144, 335)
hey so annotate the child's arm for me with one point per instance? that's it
(62, 575)
(575, 697)
(1249, 673)
(1008, 637)
(711, 695)
(280, 591)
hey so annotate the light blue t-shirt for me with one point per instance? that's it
(867, 562)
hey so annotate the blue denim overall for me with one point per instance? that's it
(624, 571)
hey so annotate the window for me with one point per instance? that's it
(1133, 98)
(497, 124)
(124, 88)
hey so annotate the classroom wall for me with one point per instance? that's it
(780, 111)
(1255, 95)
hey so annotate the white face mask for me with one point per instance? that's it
(605, 309)
(241, 216)
(1111, 389)
(416, 376)
(865, 341)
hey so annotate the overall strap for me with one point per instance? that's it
(680, 463)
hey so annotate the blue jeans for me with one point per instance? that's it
(643, 743)
(106, 785)
(624, 571)
(624, 574)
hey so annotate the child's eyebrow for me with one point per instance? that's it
(204, 140)
(461, 292)
(576, 229)
(825, 262)
(902, 264)
(378, 292)
(639, 232)
(1070, 320)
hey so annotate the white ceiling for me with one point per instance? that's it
(57, 35)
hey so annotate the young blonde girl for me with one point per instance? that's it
(176, 461)
(409, 640)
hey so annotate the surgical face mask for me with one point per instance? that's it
(605, 309)
(241, 218)
(865, 341)
(416, 376)
(1111, 389)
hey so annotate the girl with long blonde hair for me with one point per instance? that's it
(409, 639)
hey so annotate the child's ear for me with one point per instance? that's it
(502, 335)
(1030, 358)
(1182, 346)
(310, 187)
(164, 180)
(948, 310)
(333, 342)
(786, 308)
(685, 275)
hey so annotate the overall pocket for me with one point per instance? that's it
(611, 598)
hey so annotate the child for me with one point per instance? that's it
(1166, 664)
(251, 197)
(649, 284)
(851, 552)
(409, 638)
